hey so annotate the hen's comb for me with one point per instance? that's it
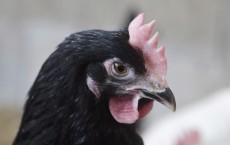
(139, 39)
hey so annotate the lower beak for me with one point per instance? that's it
(165, 97)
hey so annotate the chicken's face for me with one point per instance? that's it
(131, 83)
(92, 84)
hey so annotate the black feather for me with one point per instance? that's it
(61, 110)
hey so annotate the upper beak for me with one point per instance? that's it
(165, 97)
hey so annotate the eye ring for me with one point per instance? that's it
(119, 69)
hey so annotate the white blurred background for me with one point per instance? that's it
(196, 35)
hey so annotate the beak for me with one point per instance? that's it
(165, 97)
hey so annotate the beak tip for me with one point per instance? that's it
(171, 105)
(174, 105)
(168, 99)
(174, 109)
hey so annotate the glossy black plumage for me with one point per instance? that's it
(61, 110)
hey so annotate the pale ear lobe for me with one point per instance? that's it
(93, 87)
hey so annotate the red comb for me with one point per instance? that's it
(155, 61)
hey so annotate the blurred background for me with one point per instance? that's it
(196, 35)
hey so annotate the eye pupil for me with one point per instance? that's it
(120, 69)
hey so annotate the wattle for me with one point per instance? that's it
(124, 109)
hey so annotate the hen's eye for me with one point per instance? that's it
(119, 69)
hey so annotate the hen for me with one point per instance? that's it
(95, 86)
